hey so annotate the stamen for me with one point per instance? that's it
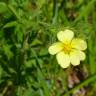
(67, 48)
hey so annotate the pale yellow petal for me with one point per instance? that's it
(74, 58)
(65, 36)
(63, 59)
(82, 55)
(79, 44)
(55, 48)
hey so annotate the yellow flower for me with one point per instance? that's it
(68, 50)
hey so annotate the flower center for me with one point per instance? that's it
(67, 48)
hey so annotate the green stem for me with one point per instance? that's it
(55, 11)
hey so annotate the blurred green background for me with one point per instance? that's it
(27, 29)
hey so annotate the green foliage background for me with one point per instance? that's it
(27, 28)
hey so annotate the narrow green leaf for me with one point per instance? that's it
(10, 24)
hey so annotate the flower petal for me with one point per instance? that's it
(63, 59)
(82, 55)
(55, 48)
(79, 44)
(74, 58)
(66, 35)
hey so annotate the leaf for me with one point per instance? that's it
(10, 24)
(13, 10)
(19, 33)
(3, 7)
(43, 83)
(7, 51)
(1, 72)
(40, 3)
(29, 63)
(36, 42)
(19, 91)
(28, 92)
